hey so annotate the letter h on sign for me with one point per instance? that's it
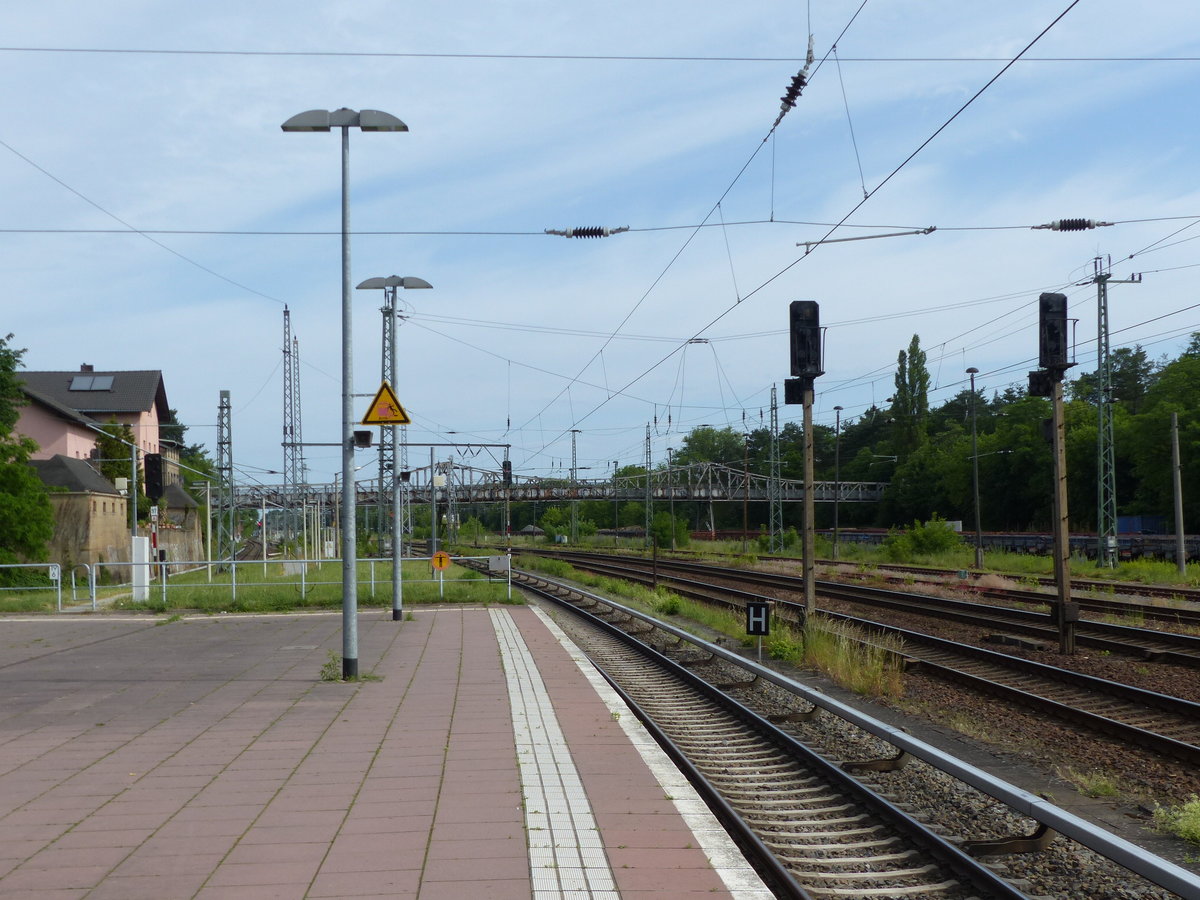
(758, 617)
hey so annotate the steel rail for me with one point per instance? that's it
(1186, 712)
(1136, 859)
(966, 867)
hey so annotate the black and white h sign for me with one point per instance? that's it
(758, 617)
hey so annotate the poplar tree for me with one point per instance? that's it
(910, 403)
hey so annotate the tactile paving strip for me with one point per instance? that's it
(565, 852)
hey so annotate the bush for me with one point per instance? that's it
(921, 539)
(1182, 821)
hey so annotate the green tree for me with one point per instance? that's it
(555, 521)
(171, 429)
(1148, 438)
(661, 527)
(708, 444)
(1132, 374)
(113, 446)
(26, 517)
(910, 404)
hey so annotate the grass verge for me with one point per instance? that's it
(866, 664)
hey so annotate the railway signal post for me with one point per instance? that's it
(1053, 352)
(805, 327)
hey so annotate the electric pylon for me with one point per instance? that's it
(1106, 466)
(225, 503)
(774, 482)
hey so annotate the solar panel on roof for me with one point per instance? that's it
(92, 383)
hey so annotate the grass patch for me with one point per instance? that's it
(277, 588)
(968, 725)
(660, 601)
(1094, 784)
(21, 602)
(865, 663)
(1182, 821)
(332, 669)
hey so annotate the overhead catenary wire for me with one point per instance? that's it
(569, 57)
(849, 122)
(417, 232)
(132, 229)
(727, 228)
(857, 205)
(679, 252)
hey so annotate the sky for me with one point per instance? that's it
(156, 216)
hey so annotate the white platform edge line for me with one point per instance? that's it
(739, 876)
(531, 707)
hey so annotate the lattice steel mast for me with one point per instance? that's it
(387, 433)
(649, 494)
(292, 455)
(774, 483)
(1106, 466)
(225, 501)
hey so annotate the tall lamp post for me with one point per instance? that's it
(975, 472)
(837, 473)
(390, 285)
(367, 120)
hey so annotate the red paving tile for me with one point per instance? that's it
(235, 773)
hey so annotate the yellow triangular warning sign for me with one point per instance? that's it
(386, 409)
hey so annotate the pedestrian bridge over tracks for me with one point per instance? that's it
(456, 483)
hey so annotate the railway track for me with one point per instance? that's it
(1168, 726)
(1182, 602)
(1084, 591)
(817, 793)
(817, 831)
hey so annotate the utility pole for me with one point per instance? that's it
(837, 473)
(649, 493)
(671, 488)
(1106, 468)
(745, 488)
(972, 371)
(1177, 485)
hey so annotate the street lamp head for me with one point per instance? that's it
(839, 408)
(972, 371)
(408, 282)
(324, 120)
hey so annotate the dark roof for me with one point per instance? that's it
(100, 393)
(175, 497)
(64, 412)
(73, 474)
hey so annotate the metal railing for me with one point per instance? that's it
(241, 575)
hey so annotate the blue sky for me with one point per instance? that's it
(533, 115)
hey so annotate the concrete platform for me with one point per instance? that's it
(205, 758)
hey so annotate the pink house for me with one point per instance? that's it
(62, 406)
